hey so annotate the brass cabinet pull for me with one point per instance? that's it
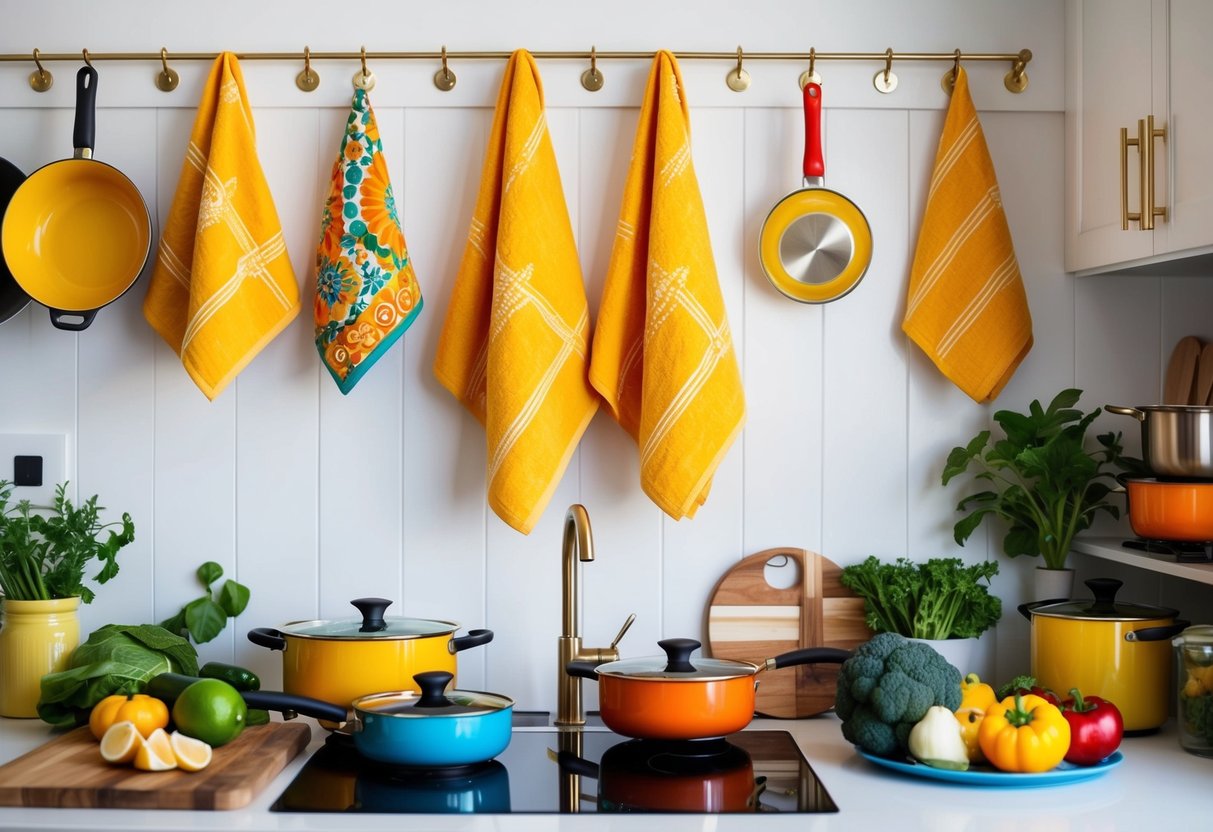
(1125, 143)
(1147, 133)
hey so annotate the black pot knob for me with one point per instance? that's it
(678, 654)
(433, 688)
(372, 610)
(1104, 590)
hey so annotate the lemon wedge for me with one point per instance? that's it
(121, 742)
(156, 753)
(191, 754)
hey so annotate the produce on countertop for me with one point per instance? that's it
(210, 710)
(975, 697)
(1027, 684)
(936, 740)
(156, 753)
(1024, 733)
(1096, 728)
(886, 687)
(941, 598)
(146, 713)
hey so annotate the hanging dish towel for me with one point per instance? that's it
(366, 292)
(967, 308)
(515, 341)
(663, 357)
(223, 286)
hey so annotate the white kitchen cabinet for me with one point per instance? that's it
(1128, 60)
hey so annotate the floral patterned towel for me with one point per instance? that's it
(366, 292)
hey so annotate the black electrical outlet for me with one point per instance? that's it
(27, 470)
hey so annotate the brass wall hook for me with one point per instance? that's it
(364, 79)
(1017, 79)
(308, 79)
(886, 80)
(592, 79)
(167, 79)
(738, 79)
(810, 75)
(948, 81)
(444, 79)
(84, 52)
(40, 80)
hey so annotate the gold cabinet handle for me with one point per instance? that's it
(1125, 143)
(1147, 133)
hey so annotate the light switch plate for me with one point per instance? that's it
(52, 447)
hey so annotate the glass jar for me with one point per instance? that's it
(1194, 686)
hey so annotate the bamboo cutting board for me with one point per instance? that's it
(751, 620)
(68, 772)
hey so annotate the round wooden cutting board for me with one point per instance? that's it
(751, 620)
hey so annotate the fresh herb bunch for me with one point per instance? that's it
(204, 618)
(44, 557)
(1047, 485)
(941, 598)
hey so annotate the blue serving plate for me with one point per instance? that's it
(986, 776)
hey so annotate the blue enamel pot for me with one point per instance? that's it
(435, 728)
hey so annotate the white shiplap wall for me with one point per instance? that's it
(312, 499)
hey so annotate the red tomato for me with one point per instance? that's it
(1096, 728)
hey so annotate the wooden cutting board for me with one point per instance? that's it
(751, 620)
(1179, 380)
(68, 772)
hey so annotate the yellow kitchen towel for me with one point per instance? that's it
(223, 285)
(966, 307)
(663, 358)
(515, 343)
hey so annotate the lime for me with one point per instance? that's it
(210, 710)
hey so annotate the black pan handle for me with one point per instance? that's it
(572, 764)
(272, 700)
(583, 669)
(474, 638)
(61, 319)
(84, 133)
(267, 637)
(1157, 633)
(809, 655)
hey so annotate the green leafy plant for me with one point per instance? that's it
(1044, 481)
(204, 618)
(941, 598)
(44, 556)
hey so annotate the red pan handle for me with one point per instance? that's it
(814, 166)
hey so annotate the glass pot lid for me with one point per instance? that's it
(1104, 605)
(676, 665)
(371, 625)
(433, 700)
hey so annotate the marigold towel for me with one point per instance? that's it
(967, 308)
(514, 345)
(366, 292)
(223, 286)
(663, 357)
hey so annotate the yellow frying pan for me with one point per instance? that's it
(77, 232)
(816, 244)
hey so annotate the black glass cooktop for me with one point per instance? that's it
(546, 770)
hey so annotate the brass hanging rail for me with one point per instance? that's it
(1016, 79)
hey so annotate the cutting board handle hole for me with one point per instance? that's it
(782, 572)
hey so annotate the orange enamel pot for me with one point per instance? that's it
(672, 698)
(1162, 510)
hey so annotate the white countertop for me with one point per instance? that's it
(1158, 786)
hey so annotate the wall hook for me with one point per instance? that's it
(364, 79)
(84, 52)
(308, 79)
(1017, 79)
(40, 80)
(810, 75)
(738, 79)
(592, 79)
(168, 78)
(886, 80)
(444, 79)
(948, 81)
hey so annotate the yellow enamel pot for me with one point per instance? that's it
(1119, 651)
(340, 660)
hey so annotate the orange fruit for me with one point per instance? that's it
(191, 754)
(210, 710)
(121, 743)
(156, 753)
(147, 713)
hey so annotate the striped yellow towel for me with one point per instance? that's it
(514, 345)
(663, 357)
(223, 286)
(967, 308)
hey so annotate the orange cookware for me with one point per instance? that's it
(77, 232)
(1178, 511)
(670, 698)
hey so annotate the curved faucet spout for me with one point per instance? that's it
(578, 545)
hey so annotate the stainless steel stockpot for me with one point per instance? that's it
(1176, 439)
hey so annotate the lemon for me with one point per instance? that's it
(156, 753)
(192, 754)
(210, 710)
(121, 742)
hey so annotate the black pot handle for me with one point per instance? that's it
(678, 654)
(808, 655)
(1026, 609)
(289, 703)
(586, 670)
(372, 610)
(62, 319)
(433, 688)
(84, 131)
(1157, 633)
(474, 638)
(572, 764)
(1104, 590)
(267, 637)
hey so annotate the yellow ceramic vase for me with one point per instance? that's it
(36, 638)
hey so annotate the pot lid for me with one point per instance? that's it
(371, 625)
(432, 701)
(1198, 635)
(676, 665)
(1104, 605)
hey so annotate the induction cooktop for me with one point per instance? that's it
(551, 770)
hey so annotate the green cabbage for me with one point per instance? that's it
(118, 658)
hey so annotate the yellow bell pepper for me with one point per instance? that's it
(1024, 732)
(976, 696)
(147, 712)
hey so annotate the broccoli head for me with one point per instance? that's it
(886, 686)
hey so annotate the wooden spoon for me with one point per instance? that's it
(1180, 379)
(1204, 376)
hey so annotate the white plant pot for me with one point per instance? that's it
(959, 652)
(1052, 584)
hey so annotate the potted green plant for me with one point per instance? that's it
(43, 557)
(1043, 479)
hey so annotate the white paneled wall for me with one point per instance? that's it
(312, 498)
